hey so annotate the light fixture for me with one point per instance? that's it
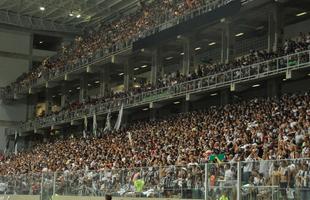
(179, 36)
(121, 74)
(182, 54)
(89, 84)
(97, 82)
(143, 66)
(169, 58)
(136, 86)
(70, 91)
(134, 78)
(78, 16)
(42, 8)
(145, 109)
(41, 42)
(142, 50)
(239, 34)
(176, 102)
(260, 28)
(197, 48)
(212, 43)
(78, 88)
(53, 96)
(137, 68)
(71, 14)
(284, 79)
(301, 14)
(213, 94)
(309, 74)
(256, 85)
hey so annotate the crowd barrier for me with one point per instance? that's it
(272, 179)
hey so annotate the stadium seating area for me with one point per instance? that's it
(111, 36)
(246, 131)
(299, 44)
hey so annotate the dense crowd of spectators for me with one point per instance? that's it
(301, 43)
(253, 131)
(111, 36)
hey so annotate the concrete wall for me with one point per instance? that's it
(15, 58)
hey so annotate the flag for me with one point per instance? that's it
(95, 125)
(85, 126)
(129, 138)
(119, 118)
(108, 122)
(16, 142)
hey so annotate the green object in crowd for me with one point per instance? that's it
(221, 157)
(139, 185)
(223, 197)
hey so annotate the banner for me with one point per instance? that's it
(85, 126)
(119, 118)
(95, 125)
(16, 142)
(107, 126)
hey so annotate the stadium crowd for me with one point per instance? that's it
(299, 44)
(110, 36)
(253, 131)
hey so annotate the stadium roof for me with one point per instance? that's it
(61, 15)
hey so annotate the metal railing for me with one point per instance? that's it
(255, 71)
(102, 54)
(259, 179)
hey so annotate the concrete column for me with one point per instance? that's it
(31, 106)
(274, 87)
(230, 42)
(64, 94)
(153, 112)
(30, 51)
(186, 60)
(278, 19)
(128, 76)
(105, 81)
(48, 100)
(186, 106)
(225, 97)
(157, 65)
(83, 88)
(223, 46)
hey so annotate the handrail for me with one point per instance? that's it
(241, 74)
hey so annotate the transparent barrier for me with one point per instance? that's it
(262, 179)
(263, 69)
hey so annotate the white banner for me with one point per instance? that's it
(107, 126)
(85, 126)
(119, 118)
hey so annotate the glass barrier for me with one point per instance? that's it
(255, 179)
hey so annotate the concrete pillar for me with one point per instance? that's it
(31, 105)
(157, 65)
(186, 59)
(186, 106)
(225, 97)
(278, 19)
(48, 100)
(128, 76)
(64, 95)
(83, 88)
(105, 82)
(153, 112)
(223, 46)
(230, 42)
(274, 87)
